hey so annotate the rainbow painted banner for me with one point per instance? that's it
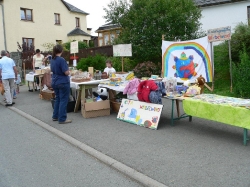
(187, 60)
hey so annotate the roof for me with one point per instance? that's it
(108, 26)
(72, 8)
(77, 31)
(204, 3)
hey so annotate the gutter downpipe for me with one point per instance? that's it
(4, 34)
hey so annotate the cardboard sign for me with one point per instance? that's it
(122, 50)
(219, 34)
(74, 47)
(140, 113)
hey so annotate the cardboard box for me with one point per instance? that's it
(38, 71)
(95, 109)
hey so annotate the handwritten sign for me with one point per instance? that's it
(219, 34)
(122, 50)
(140, 113)
(74, 47)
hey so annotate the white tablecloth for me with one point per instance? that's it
(76, 84)
(115, 88)
(30, 77)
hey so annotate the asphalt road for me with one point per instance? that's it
(200, 153)
(33, 157)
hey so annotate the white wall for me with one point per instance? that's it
(42, 28)
(224, 15)
(1, 31)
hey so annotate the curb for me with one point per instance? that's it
(122, 168)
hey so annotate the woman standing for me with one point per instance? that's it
(61, 84)
(38, 61)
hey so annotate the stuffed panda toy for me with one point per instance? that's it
(101, 93)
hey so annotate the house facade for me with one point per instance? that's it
(222, 13)
(35, 22)
(107, 33)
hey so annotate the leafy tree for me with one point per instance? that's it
(81, 45)
(145, 21)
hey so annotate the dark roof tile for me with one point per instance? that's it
(77, 31)
(203, 3)
(72, 8)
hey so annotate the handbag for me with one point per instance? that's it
(1, 88)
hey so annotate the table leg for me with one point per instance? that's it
(172, 113)
(245, 136)
(190, 118)
(78, 100)
(178, 107)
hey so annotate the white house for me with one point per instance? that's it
(222, 13)
(35, 22)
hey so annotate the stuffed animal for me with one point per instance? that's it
(101, 93)
(201, 81)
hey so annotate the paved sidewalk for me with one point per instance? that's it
(30, 156)
(200, 153)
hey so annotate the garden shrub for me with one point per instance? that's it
(97, 61)
(241, 75)
(146, 69)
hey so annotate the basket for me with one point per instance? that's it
(80, 79)
(47, 95)
(115, 106)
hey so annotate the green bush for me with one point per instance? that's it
(128, 64)
(97, 61)
(241, 75)
(81, 45)
(146, 69)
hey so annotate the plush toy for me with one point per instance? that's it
(101, 93)
(200, 81)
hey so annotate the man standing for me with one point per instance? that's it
(8, 73)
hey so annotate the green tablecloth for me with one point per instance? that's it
(236, 116)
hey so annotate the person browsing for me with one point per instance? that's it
(8, 73)
(60, 82)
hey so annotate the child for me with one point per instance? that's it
(16, 89)
(109, 69)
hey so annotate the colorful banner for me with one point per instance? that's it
(187, 60)
(140, 113)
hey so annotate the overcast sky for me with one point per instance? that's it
(95, 10)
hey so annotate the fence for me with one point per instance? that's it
(27, 57)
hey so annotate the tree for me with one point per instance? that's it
(145, 21)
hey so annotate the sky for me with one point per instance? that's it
(95, 9)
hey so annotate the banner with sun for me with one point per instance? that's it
(187, 60)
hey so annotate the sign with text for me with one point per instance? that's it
(74, 47)
(122, 50)
(219, 34)
(140, 113)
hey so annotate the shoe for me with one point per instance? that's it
(14, 97)
(8, 105)
(64, 122)
(13, 103)
(54, 119)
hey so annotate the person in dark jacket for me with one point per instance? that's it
(60, 82)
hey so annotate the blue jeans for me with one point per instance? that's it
(62, 98)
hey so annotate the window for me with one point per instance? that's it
(100, 42)
(112, 37)
(100, 34)
(106, 39)
(248, 14)
(85, 41)
(57, 19)
(28, 44)
(77, 22)
(58, 41)
(26, 14)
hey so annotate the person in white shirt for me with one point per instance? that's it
(38, 61)
(109, 69)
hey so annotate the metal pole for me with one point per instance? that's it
(212, 59)
(4, 33)
(230, 58)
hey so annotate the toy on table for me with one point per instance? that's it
(192, 91)
(101, 93)
(200, 81)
